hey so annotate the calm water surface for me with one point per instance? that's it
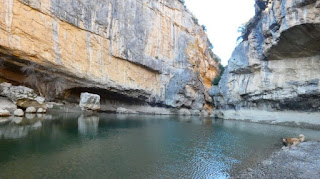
(120, 146)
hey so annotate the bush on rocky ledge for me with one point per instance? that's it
(216, 81)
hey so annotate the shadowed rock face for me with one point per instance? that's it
(135, 48)
(277, 68)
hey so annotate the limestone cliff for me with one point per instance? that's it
(277, 66)
(128, 51)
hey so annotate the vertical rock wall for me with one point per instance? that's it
(276, 69)
(147, 50)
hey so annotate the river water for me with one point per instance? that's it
(135, 146)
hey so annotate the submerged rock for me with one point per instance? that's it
(18, 113)
(89, 101)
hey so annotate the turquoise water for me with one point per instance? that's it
(121, 146)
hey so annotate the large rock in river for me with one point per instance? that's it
(89, 101)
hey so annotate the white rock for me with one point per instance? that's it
(41, 110)
(89, 101)
(5, 103)
(31, 110)
(18, 113)
(4, 113)
(19, 92)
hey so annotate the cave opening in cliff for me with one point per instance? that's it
(110, 100)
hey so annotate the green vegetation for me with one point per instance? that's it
(195, 20)
(210, 44)
(218, 78)
(204, 28)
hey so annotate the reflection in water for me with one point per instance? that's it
(134, 146)
(30, 116)
(88, 124)
(19, 128)
(17, 120)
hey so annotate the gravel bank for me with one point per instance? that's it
(303, 162)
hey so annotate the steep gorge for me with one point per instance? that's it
(273, 75)
(149, 55)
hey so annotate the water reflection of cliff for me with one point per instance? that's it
(19, 127)
(88, 124)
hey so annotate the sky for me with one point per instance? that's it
(222, 19)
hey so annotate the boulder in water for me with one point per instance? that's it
(18, 113)
(31, 110)
(89, 101)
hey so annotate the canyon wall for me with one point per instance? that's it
(144, 52)
(273, 74)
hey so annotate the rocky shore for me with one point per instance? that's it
(302, 162)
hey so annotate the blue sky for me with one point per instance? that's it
(222, 19)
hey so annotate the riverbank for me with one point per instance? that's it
(303, 162)
(299, 119)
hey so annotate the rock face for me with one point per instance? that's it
(277, 66)
(89, 101)
(153, 52)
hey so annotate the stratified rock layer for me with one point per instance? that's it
(145, 50)
(277, 67)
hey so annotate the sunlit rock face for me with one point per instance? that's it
(278, 67)
(143, 49)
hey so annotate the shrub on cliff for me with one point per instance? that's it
(218, 78)
(204, 28)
